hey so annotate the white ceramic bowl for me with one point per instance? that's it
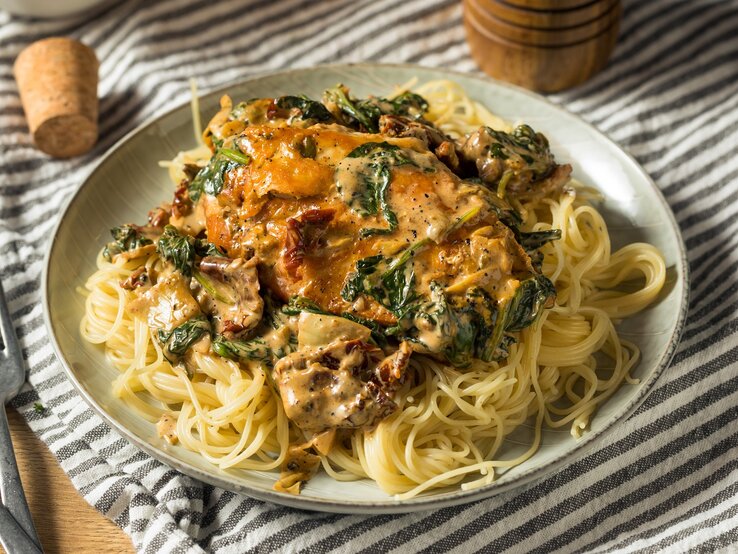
(50, 9)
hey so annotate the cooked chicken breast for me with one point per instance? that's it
(304, 216)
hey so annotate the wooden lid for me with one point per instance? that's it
(551, 5)
(541, 68)
(541, 37)
(547, 19)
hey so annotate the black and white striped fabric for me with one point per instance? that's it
(667, 481)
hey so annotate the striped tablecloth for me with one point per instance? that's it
(668, 480)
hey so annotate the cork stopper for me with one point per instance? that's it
(57, 79)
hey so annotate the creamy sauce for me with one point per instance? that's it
(299, 467)
(139, 252)
(230, 294)
(348, 177)
(167, 304)
(433, 337)
(319, 329)
(346, 384)
(166, 428)
(193, 223)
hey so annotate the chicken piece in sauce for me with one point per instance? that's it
(311, 220)
(167, 304)
(230, 294)
(166, 428)
(345, 385)
(440, 144)
(518, 164)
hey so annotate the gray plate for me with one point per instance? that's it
(128, 182)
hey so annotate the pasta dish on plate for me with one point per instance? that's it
(381, 287)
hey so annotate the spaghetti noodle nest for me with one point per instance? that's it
(451, 424)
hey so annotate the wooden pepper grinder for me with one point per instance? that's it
(543, 45)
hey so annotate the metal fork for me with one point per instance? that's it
(17, 533)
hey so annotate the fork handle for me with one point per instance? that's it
(11, 488)
(13, 538)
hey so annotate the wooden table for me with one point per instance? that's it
(64, 520)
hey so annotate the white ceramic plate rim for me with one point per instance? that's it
(590, 440)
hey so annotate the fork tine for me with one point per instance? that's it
(7, 330)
